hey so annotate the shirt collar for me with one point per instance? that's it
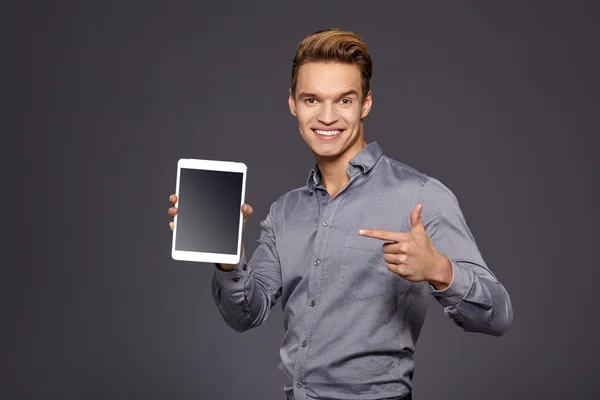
(363, 161)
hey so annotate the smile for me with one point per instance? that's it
(328, 133)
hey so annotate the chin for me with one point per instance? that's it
(328, 151)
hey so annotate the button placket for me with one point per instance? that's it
(327, 211)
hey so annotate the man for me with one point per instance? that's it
(354, 254)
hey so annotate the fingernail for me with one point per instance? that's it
(361, 232)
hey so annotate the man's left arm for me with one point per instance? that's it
(473, 297)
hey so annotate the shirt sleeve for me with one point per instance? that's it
(475, 300)
(246, 294)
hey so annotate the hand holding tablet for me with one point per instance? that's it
(209, 211)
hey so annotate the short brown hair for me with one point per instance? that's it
(333, 45)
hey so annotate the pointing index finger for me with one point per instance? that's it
(376, 233)
(383, 234)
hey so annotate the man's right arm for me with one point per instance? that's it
(245, 294)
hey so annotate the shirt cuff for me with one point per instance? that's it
(458, 288)
(235, 279)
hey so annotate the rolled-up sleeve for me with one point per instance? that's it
(246, 294)
(475, 299)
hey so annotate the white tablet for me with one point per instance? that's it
(208, 224)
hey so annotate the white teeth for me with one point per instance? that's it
(327, 133)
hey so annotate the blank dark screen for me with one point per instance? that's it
(209, 211)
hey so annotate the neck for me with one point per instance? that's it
(334, 171)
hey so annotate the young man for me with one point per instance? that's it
(354, 254)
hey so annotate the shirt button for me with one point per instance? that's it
(236, 279)
(317, 262)
(299, 384)
(245, 267)
(313, 303)
(324, 193)
(325, 222)
(304, 344)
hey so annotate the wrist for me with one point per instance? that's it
(442, 276)
(229, 267)
(225, 267)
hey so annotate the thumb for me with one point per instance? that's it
(246, 211)
(415, 219)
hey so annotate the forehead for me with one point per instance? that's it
(328, 78)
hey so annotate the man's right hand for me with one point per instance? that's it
(246, 211)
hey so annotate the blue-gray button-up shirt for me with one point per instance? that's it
(350, 324)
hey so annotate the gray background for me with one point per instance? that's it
(499, 100)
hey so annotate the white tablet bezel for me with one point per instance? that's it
(211, 165)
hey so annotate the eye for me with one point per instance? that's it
(346, 101)
(310, 100)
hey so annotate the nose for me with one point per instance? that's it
(327, 114)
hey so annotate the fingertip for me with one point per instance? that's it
(361, 232)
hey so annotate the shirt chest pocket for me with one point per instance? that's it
(364, 272)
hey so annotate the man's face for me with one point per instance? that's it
(329, 107)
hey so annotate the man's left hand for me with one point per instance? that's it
(412, 255)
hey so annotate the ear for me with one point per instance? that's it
(292, 104)
(366, 105)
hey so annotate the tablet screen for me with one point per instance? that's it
(208, 217)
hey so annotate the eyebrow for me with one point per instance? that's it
(345, 94)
